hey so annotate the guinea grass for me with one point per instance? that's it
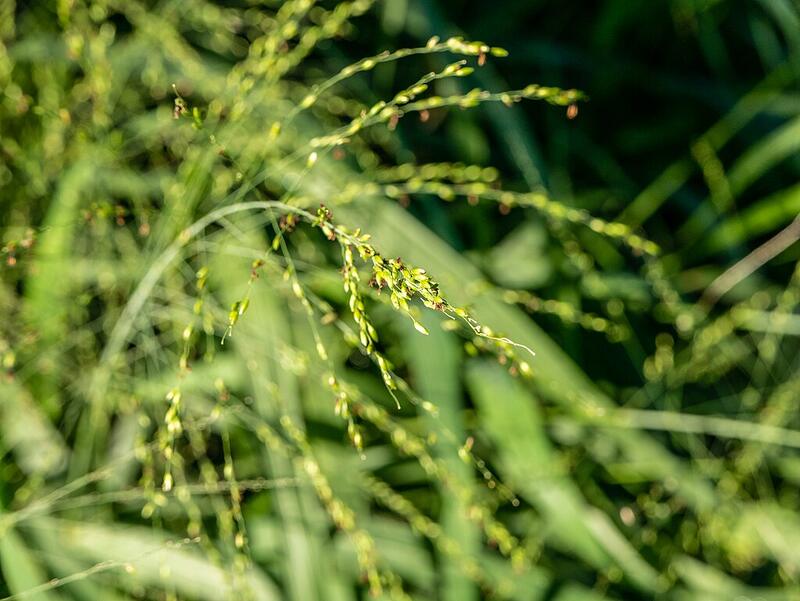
(260, 342)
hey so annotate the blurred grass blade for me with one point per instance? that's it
(434, 362)
(27, 431)
(154, 561)
(508, 413)
(20, 570)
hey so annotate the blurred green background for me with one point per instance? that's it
(186, 410)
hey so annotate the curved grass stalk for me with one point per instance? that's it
(536, 200)
(453, 45)
(97, 568)
(137, 300)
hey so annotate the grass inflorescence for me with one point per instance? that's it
(260, 342)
